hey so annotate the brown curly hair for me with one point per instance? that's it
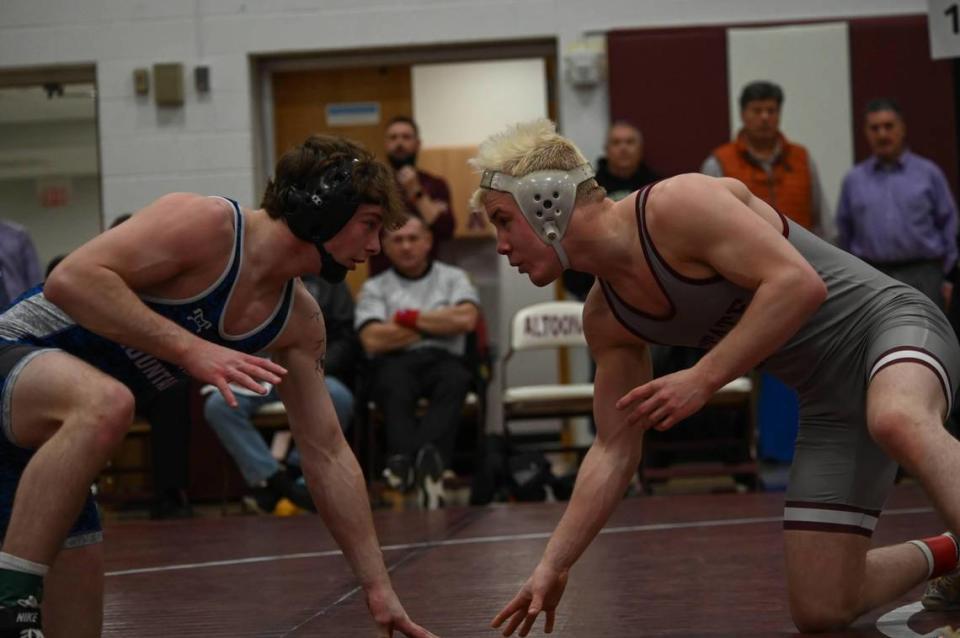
(372, 180)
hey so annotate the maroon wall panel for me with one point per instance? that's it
(890, 57)
(673, 84)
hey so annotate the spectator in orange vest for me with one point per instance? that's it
(775, 169)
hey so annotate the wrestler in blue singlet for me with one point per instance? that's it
(33, 325)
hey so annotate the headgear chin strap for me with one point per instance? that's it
(319, 209)
(546, 199)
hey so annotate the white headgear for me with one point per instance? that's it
(545, 198)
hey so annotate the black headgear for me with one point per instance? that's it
(318, 209)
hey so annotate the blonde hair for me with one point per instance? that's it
(529, 147)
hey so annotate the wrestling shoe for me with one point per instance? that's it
(942, 594)
(429, 470)
(21, 620)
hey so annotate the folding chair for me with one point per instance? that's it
(544, 326)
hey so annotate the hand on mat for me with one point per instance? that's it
(389, 615)
(662, 403)
(541, 592)
(219, 366)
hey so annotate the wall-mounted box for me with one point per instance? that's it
(168, 84)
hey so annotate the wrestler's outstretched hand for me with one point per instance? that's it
(390, 616)
(219, 366)
(541, 593)
(662, 403)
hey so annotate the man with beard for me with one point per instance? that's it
(426, 196)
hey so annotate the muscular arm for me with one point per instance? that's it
(333, 474)
(622, 363)
(146, 251)
(718, 223)
(158, 251)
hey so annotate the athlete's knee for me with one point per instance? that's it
(110, 407)
(894, 428)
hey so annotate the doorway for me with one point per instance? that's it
(49, 159)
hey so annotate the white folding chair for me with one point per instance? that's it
(549, 325)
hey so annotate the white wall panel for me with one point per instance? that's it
(812, 64)
(461, 104)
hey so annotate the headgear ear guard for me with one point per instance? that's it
(319, 209)
(546, 199)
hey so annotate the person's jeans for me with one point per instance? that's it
(244, 443)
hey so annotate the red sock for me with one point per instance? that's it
(942, 553)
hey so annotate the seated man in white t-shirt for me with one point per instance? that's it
(413, 320)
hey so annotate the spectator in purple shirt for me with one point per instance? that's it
(19, 264)
(896, 211)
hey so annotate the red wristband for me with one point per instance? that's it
(407, 318)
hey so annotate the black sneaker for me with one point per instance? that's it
(429, 469)
(287, 486)
(262, 500)
(21, 620)
(399, 472)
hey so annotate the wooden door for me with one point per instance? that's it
(300, 99)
